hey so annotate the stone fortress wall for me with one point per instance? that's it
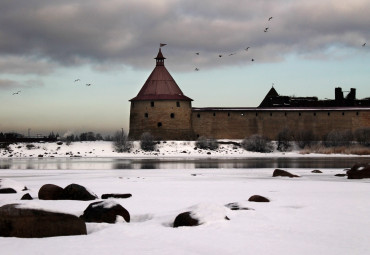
(224, 123)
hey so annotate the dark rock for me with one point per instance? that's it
(51, 192)
(316, 171)
(40, 156)
(104, 212)
(279, 172)
(208, 153)
(340, 175)
(27, 197)
(258, 198)
(77, 192)
(236, 207)
(359, 171)
(105, 196)
(185, 220)
(7, 191)
(34, 223)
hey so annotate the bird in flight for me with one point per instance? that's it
(252, 59)
(77, 80)
(246, 49)
(363, 45)
(231, 54)
(220, 56)
(197, 53)
(16, 93)
(266, 29)
(196, 69)
(270, 18)
(88, 84)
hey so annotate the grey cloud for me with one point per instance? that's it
(129, 32)
(6, 84)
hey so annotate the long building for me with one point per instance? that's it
(162, 109)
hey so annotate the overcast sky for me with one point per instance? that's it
(310, 48)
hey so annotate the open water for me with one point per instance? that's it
(191, 163)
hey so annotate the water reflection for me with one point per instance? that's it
(111, 163)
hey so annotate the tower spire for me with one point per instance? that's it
(160, 59)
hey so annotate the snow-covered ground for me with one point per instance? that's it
(314, 214)
(164, 149)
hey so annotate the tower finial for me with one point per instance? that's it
(160, 58)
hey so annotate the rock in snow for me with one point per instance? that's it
(23, 222)
(359, 171)
(279, 172)
(201, 214)
(105, 196)
(258, 198)
(105, 211)
(71, 192)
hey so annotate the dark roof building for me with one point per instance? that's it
(273, 99)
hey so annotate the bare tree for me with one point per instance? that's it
(121, 143)
(147, 142)
(257, 143)
(284, 140)
(206, 143)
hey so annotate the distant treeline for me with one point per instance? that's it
(12, 137)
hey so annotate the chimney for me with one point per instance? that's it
(352, 94)
(339, 94)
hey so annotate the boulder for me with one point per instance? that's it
(26, 197)
(105, 211)
(78, 192)
(7, 190)
(51, 192)
(115, 195)
(36, 223)
(279, 172)
(359, 171)
(185, 219)
(258, 198)
(316, 171)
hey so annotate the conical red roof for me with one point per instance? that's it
(160, 85)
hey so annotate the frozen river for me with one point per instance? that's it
(179, 163)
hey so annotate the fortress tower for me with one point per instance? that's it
(161, 108)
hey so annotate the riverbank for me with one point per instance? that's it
(168, 149)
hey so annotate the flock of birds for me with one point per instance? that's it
(87, 84)
(233, 53)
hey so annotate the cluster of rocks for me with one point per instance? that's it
(17, 220)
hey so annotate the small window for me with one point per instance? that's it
(172, 115)
(299, 114)
(159, 124)
(357, 113)
(328, 113)
(178, 104)
(343, 113)
(314, 114)
(133, 104)
(198, 135)
(270, 113)
(228, 114)
(285, 113)
(256, 113)
(152, 104)
(198, 115)
(146, 115)
(214, 114)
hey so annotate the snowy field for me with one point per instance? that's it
(164, 149)
(314, 214)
